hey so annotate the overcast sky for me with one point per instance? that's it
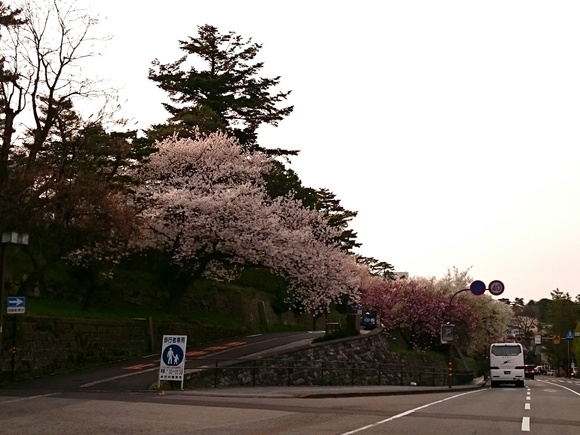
(452, 127)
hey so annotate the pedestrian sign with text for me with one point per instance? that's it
(172, 364)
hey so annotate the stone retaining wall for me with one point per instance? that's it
(363, 360)
(46, 346)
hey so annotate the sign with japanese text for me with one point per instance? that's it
(172, 363)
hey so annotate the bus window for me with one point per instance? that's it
(506, 350)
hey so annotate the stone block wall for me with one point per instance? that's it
(362, 360)
(46, 346)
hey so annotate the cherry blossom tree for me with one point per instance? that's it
(491, 318)
(203, 203)
(415, 310)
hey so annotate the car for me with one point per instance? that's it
(369, 321)
(541, 370)
(529, 371)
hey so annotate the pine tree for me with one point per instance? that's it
(225, 94)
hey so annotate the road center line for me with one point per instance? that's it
(527, 406)
(526, 424)
(410, 411)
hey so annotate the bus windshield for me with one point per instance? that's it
(506, 350)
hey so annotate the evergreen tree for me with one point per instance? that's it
(338, 217)
(562, 316)
(225, 94)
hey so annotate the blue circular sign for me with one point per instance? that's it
(172, 355)
(477, 288)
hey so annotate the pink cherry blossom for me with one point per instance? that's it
(414, 310)
(204, 201)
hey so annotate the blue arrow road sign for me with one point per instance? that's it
(15, 304)
(570, 335)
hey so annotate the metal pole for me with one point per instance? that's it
(13, 347)
(450, 367)
(2, 296)
(568, 365)
(449, 358)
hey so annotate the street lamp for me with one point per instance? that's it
(14, 238)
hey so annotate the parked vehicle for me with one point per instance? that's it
(541, 370)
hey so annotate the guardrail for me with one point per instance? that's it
(277, 372)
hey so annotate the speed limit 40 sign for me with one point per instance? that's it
(496, 287)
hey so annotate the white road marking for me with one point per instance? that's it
(527, 406)
(22, 399)
(526, 424)
(528, 398)
(410, 411)
(126, 375)
(561, 386)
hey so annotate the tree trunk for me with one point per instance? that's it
(91, 292)
(9, 116)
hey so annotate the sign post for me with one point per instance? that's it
(172, 362)
(14, 305)
(569, 338)
(477, 288)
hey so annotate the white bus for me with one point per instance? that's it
(506, 364)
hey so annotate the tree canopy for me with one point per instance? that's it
(203, 201)
(206, 200)
(216, 86)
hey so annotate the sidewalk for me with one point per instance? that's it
(315, 392)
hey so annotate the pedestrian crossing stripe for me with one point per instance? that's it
(196, 353)
(139, 366)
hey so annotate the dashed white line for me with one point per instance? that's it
(526, 420)
(526, 424)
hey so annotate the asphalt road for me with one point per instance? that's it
(544, 407)
(116, 400)
(139, 374)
